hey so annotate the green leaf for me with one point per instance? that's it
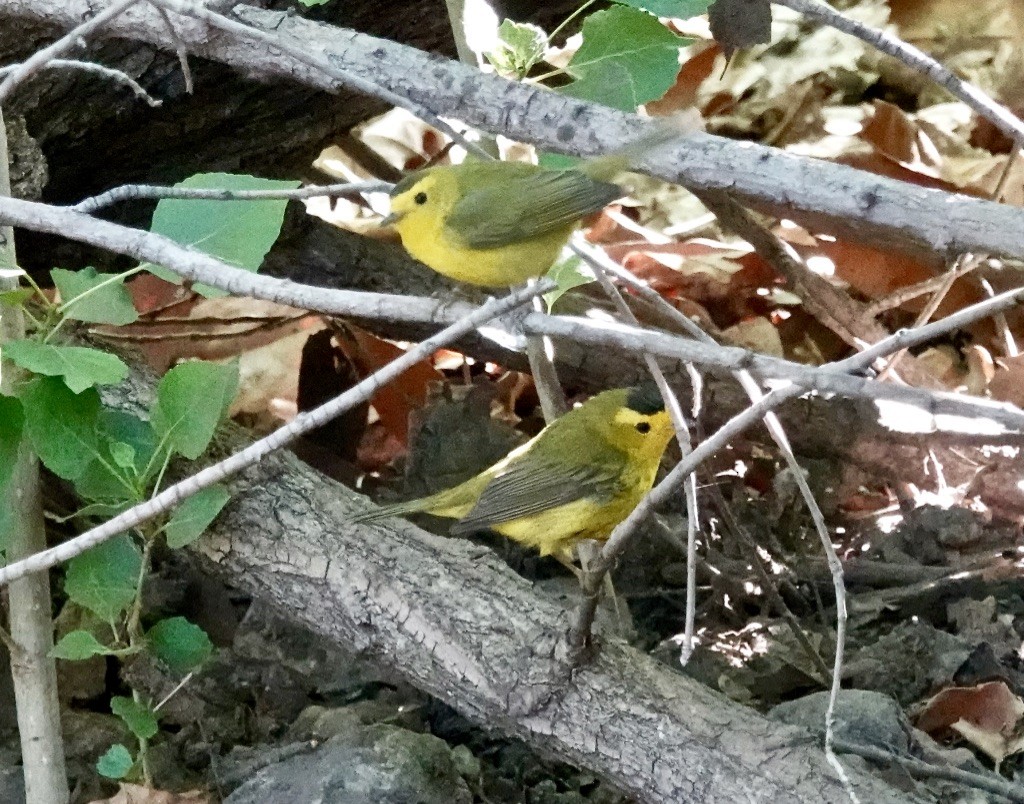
(568, 274)
(627, 58)
(520, 46)
(123, 454)
(12, 423)
(104, 578)
(679, 9)
(61, 425)
(195, 514)
(310, 3)
(179, 644)
(16, 297)
(191, 400)
(126, 447)
(80, 366)
(238, 232)
(78, 645)
(93, 297)
(12, 420)
(115, 763)
(138, 717)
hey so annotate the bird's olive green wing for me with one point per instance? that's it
(529, 487)
(517, 208)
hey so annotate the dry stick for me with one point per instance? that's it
(778, 435)
(593, 580)
(783, 258)
(179, 47)
(135, 192)
(824, 380)
(750, 545)
(918, 60)
(1009, 343)
(342, 77)
(33, 670)
(918, 767)
(964, 263)
(70, 40)
(961, 265)
(301, 424)
(905, 294)
(196, 266)
(539, 354)
(117, 76)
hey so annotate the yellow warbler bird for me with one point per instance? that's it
(577, 479)
(500, 223)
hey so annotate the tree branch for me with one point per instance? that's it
(821, 196)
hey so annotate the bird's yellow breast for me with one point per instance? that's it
(426, 238)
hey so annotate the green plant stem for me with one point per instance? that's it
(132, 628)
(567, 20)
(33, 670)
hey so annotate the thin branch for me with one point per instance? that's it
(303, 423)
(135, 192)
(179, 48)
(33, 669)
(830, 378)
(995, 113)
(962, 265)
(70, 40)
(117, 76)
(778, 435)
(682, 429)
(345, 78)
(196, 266)
(905, 294)
(920, 768)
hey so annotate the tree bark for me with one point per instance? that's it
(453, 620)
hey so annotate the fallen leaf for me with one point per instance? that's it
(987, 715)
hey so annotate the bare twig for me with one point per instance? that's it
(916, 59)
(963, 264)
(345, 78)
(198, 267)
(594, 577)
(70, 40)
(117, 76)
(179, 48)
(905, 294)
(303, 423)
(918, 767)
(135, 192)
(1009, 342)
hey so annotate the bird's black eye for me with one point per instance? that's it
(420, 198)
(643, 427)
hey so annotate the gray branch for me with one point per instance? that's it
(820, 195)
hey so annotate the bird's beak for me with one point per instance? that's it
(391, 219)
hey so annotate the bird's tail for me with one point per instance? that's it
(387, 511)
(660, 133)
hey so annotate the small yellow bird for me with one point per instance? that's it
(495, 223)
(577, 479)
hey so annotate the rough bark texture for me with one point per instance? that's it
(454, 621)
